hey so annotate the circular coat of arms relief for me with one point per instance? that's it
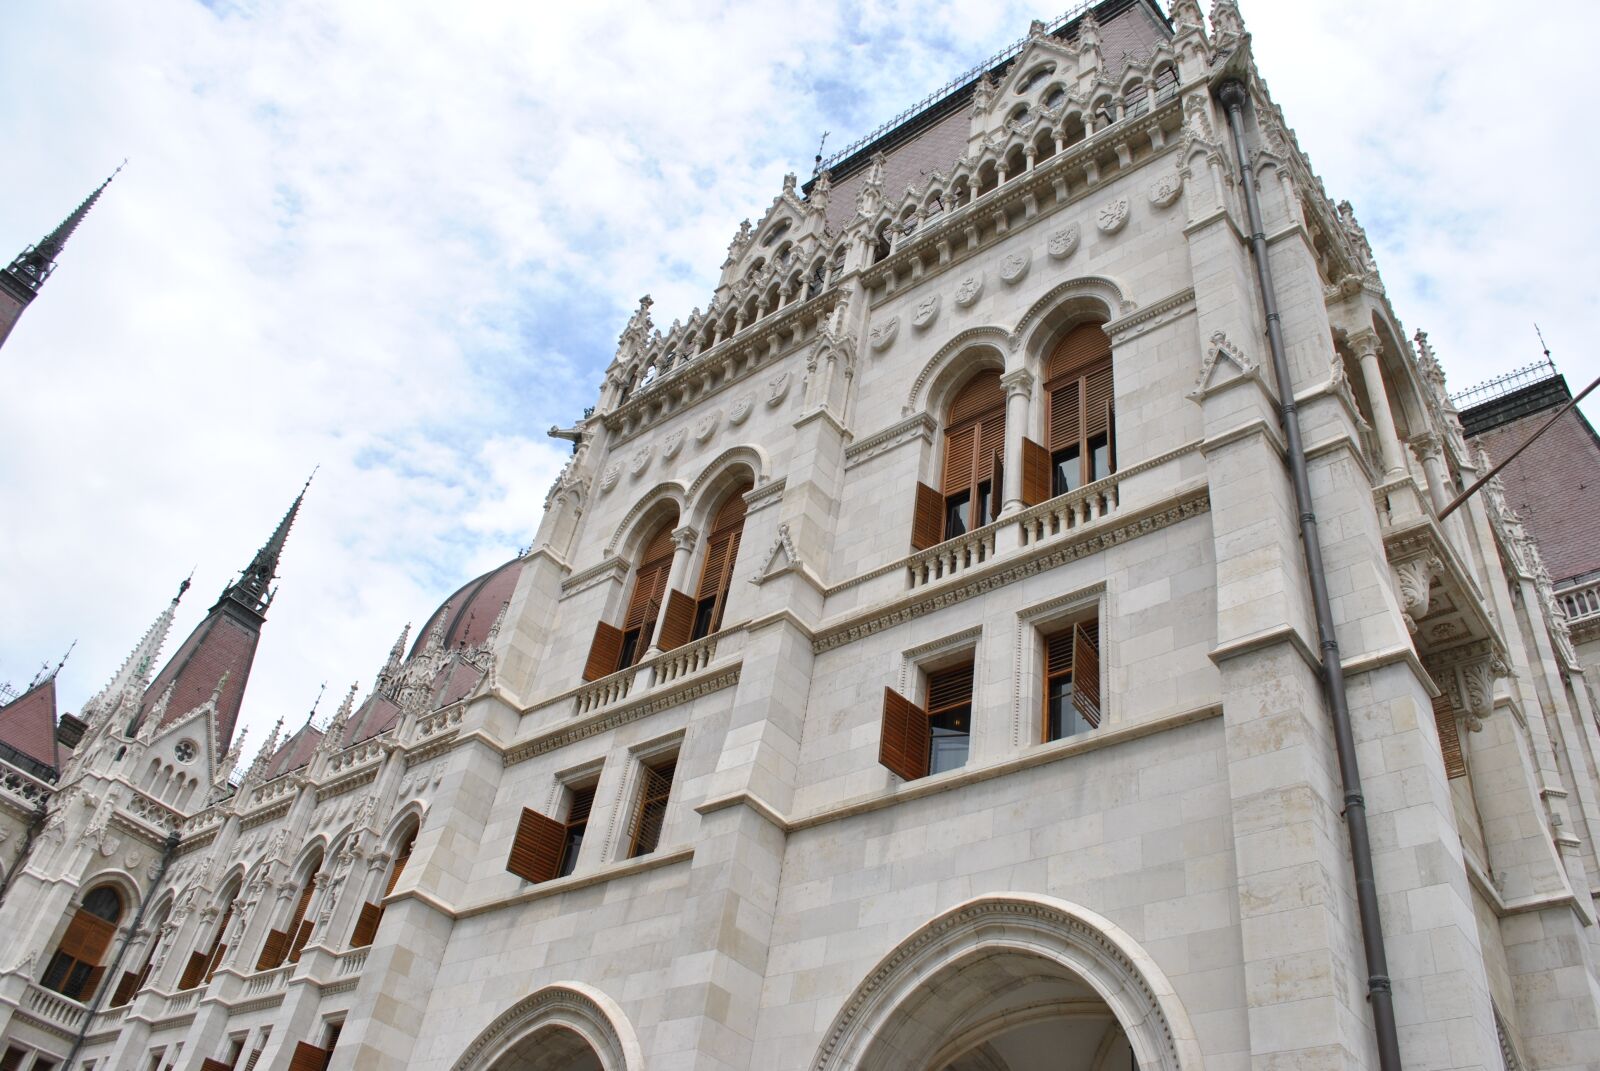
(608, 479)
(926, 312)
(1063, 243)
(968, 289)
(1113, 216)
(1165, 191)
(706, 425)
(1014, 267)
(884, 333)
(741, 410)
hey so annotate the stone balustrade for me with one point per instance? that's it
(352, 962)
(1581, 602)
(952, 557)
(1062, 514)
(27, 790)
(55, 1009)
(263, 982)
(682, 661)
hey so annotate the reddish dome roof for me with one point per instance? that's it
(472, 609)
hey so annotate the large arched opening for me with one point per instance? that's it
(1013, 983)
(563, 1027)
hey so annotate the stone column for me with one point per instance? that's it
(1366, 345)
(1019, 389)
(684, 540)
(1428, 448)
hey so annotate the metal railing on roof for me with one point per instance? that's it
(958, 82)
(1500, 386)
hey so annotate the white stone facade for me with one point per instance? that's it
(1168, 889)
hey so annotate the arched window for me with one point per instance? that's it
(75, 969)
(716, 576)
(614, 648)
(203, 961)
(968, 496)
(1080, 419)
(1135, 100)
(372, 911)
(1166, 84)
(283, 946)
(133, 981)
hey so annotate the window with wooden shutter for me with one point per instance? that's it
(536, 848)
(949, 717)
(678, 621)
(273, 951)
(75, 968)
(193, 971)
(1071, 680)
(576, 825)
(903, 740)
(1444, 718)
(372, 912)
(309, 1057)
(974, 453)
(1080, 418)
(1035, 473)
(927, 521)
(651, 813)
(127, 986)
(716, 575)
(299, 928)
(215, 1065)
(605, 652)
(366, 925)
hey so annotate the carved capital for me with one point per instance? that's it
(685, 538)
(1018, 382)
(1364, 344)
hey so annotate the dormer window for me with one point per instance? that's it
(778, 231)
(1053, 99)
(1035, 76)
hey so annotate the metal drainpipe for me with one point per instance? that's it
(122, 950)
(1232, 94)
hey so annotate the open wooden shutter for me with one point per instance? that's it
(1444, 717)
(927, 520)
(904, 741)
(1035, 473)
(652, 813)
(366, 925)
(605, 651)
(309, 1057)
(1086, 676)
(1062, 415)
(90, 984)
(997, 476)
(299, 942)
(274, 950)
(127, 986)
(1097, 393)
(678, 622)
(536, 849)
(193, 971)
(402, 857)
(215, 1065)
(959, 451)
(87, 937)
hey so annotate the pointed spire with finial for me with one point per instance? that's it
(27, 273)
(390, 673)
(253, 590)
(135, 669)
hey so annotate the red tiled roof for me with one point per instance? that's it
(222, 643)
(296, 751)
(1554, 487)
(28, 723)
(473, 608)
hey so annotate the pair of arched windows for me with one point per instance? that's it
(686, 617)
(79, 960)
(284, 945)
(1079, 446)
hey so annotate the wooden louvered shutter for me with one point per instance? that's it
(950, 687)
(193, 970)
(1097, 393)
(402, 857)
(927, 518)
(274, 950)
(716, 564)
(958, 459)
(1086, 676)
(309, 1057)
(536, 849)
(214, 1065)
(1079, 348)
(90, 984)
(997, 476)
(127, 986)
(652, 813)
(646, 600)
(299, 928)
(87, 937)
(678, 622)
(605, 651)
(992, 434)
(1444, 717)
(1063, 417)
(366, 925)
(905, 737)
(1035, 473)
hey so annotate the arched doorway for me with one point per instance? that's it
(1013, 983)
(564, 1027)
(554, 1048)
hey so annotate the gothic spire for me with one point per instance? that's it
(253, 590)
(34, 264)
(136, 668)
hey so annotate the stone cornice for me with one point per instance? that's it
(912, 428)
(1150, 317)
(610, 568)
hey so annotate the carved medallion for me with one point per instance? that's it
(608, 479)
(1063, 243)
(639, 461)
(884, 334)
(926, 312)
(1014, 267)
(777, 389)
(673, 444)
(1113, 216)
(706, 425)
(1165, 191)
(968, 290)
(741, 410)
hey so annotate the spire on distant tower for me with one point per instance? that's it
(253, 590)
(135, 669)
(21, 279)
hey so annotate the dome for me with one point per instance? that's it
(470, 612)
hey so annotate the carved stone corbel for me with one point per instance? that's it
(1415, 578)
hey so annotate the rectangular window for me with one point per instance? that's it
(536, 847)
(12, 1060)
(651, 813)
(916, 741)
(577, 823)
(1071, 680)
(1082, 427)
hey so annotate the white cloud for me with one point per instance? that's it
(398, 240)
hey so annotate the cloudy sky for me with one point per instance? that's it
(398, 240)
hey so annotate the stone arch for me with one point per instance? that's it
(945, 371)
(748, 459)
(877, 1026)
(1087, 297)
(559, 1011)
(413, 811)
(123, 883)
(641, 520)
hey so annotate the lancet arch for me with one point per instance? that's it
(560, 1026)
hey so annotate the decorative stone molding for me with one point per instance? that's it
(674, 444)
(782, 546)
(741, 410)
(917, 426)
(969, 289)
(1014, 267)
(778, 389)
(882, 336)
(1414, 579)
(1155, 315)
(1063, 243)
(768, 494)
(1018, 381)
(1164, 192)
(1113, 215)
(706, 424)
(925, 312)
(612, 717)
(563, 1007)
(994, 337)
(612, 568)
(685, 537)
(1063, 937)
(1096, 287)
(1222, 350)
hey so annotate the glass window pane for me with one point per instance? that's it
(1099, 458)
(956, 515)
(1065, 471)
(951, 738)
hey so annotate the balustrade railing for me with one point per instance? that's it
(1062, 514)
(268, 981)
(1581, 602)
(30, 790)
(56, 1009)
(682, 661)
(352, 962)
(654, 672)
(952, 557)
